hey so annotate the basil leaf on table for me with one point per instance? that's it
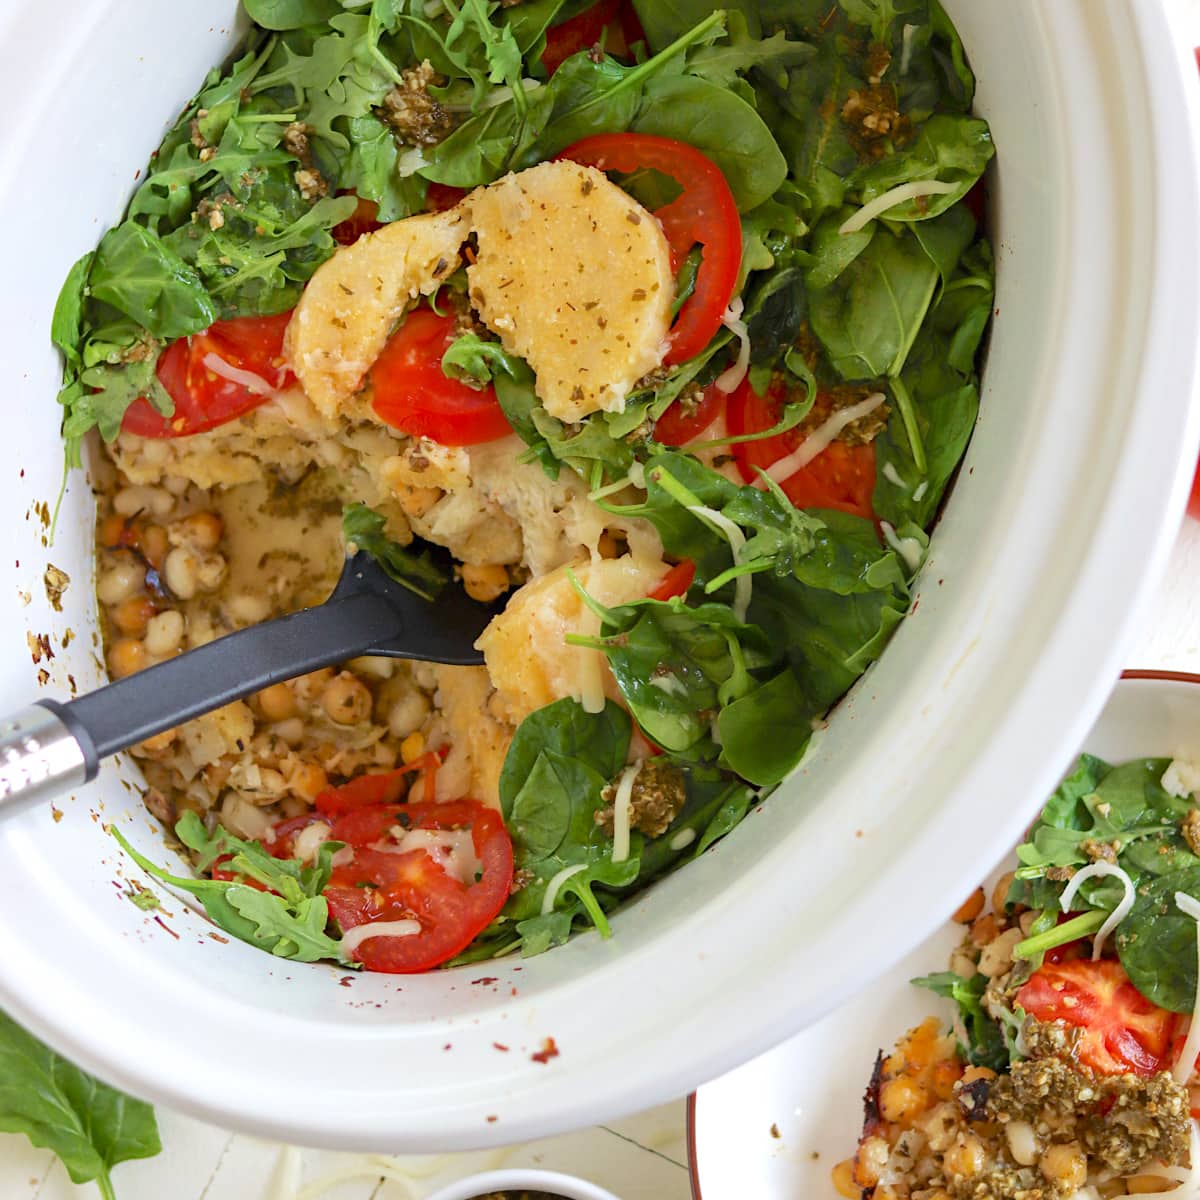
(90, 1126)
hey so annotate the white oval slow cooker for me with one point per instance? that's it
(1054, 536)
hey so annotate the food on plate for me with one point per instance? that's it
(663, 321)
(1071, 1069)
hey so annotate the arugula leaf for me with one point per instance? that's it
(364, 527)
(744, 51)
(472, 359)
(288, 921)
(88, 1125)
(988, 1043)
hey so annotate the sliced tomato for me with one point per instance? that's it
(413, 394)
(205, 398)
(678, 425)
(382, 787)
(841, 477)
(1193, 505)
(364, 219)
(676, 581)
(387, 883)
(579, 33)
(1121, 1031)
(703, 214)
(441, 196)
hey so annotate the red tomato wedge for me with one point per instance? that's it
(841, 477)
(412, 394)
(364, 219)
(678, 426)
(380, 787)
(386, 883)
(205, 398)
(1122, 1032)
(676, 581)
(704, 214)
(579, 33)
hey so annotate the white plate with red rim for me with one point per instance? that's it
(779, 1124)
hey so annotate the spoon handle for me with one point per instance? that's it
(51, 746)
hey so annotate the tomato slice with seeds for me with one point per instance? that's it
(680, 425)
(703, 214)
(841, 477)
(1121, 1032)
(205, 398)
(385, 882)
(413, 394)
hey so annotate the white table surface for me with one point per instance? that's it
(642, 1157)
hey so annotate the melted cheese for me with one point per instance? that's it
(452, 849)
(1098, 870)
(353, 938)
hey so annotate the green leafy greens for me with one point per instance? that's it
(364, 529)
(90, 1126)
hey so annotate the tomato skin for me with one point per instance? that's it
(704, 213)
(841, 477)
(677, 428)
(204, 399)
(1122, 1032)
(579, 33)
(383, 787)
(1193, 504)
(412, 394)
(676, 581)
(382, 885)
(364, 219)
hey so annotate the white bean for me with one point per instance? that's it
(181, 573)
(120, 582)
(248, 609)
(164, 633)
(132, 500)
(408, 714)
(373, 665)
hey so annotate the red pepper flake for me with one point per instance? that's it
(548, 1051)
(217, 937)
(486, 980)
(346, 980)
(501, 1047)
(492, 1120)
(448, 1046)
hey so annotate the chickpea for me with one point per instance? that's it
(126, 656)
(985, 929)
(485, 583)
(158, 745)
(132, 615)
(901, 1099)
(277, 703)
(412, 748)
(870, 1161)
(307, 781)
(120, 582)
(970, 908)
(1064, 1163)
(164, 633)
(346, 700)
(965, 1158)
(152, 542)
(310, 686)
(842, 1177)
(201, 530)
(110, 531)
(417, 501)
(1000, 891)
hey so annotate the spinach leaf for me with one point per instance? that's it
(869, 317)
(290, 14)
(720, 123)
(763, 735)
(363, 527)
(950, 149)
(666, 20)
(1157, 943)
(289, 920)
(137, 274)
(90, 1126)
(988, 1044)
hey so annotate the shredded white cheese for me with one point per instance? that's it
(906, 47)
(889, 199)
(555, 886)
(452, 849)
(743, 585)
(920, 490)
(251, 382)
(1185, 1065)
(353, 938)
(1181, 778)
(1097, 870)
(622, 806)
(683, 839)
(910, 550)
(821, 438)
(731, 380)
(308, 841)
(893, 476)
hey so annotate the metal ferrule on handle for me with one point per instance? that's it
(39, 757)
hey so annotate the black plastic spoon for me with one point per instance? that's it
(53, 745)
